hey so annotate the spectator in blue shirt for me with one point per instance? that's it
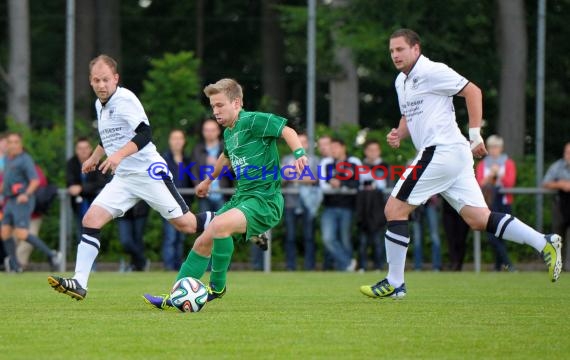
(18, 187)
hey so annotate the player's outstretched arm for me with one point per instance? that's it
(292, 140)
(474, 102)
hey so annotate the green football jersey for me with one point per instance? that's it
(252, 150)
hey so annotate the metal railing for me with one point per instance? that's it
(65, 216)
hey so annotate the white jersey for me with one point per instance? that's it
(117, 121)
(425, 96)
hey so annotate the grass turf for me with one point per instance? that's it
(291, 315)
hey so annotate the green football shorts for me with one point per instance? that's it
(260, 213)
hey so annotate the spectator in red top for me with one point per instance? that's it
(497, 171)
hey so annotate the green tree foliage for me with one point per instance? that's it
(365, 27)
(460, 33)
(170, 95)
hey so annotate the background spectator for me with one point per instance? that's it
(82, 188)
(45, 195)
(427, 212)
(370, 203)
(173, 242)
(338, 209)
(494, 172)
(3, 145)
(456, 230)
(206, 152)
(131, 236)
(324, 147)
(558, 178)
(20, 183)
(300, 210)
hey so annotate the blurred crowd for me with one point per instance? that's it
(347, 211)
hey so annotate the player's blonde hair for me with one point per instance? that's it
(229, 87)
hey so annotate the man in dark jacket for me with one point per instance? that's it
(83, 188)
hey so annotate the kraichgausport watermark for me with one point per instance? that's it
(342, 171)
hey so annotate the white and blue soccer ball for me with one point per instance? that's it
(189, 295)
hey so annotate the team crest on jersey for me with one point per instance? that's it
(415, 82)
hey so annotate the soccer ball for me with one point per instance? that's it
(189, 295)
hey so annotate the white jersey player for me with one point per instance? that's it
(444, 163)
(140, 173)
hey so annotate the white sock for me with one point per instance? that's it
(515, 230)
(396, 249)
(87, 251)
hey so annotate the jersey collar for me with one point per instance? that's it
(110, 97)
(417, 64)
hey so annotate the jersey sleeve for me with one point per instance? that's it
(265, 125)
(445, 81)
(131, 110)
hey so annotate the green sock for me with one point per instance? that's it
(221, 258)
(194, 266)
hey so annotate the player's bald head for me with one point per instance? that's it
(105, 59)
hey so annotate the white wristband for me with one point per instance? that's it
(475, 137)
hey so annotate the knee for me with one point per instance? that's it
(217, 230)
(395, 213)
(203, 245)
(477, 221)
(89, 221)
(20, 235)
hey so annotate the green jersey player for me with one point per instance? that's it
(251, 152)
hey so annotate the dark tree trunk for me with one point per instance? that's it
(109, 28)
(19, 61)
(344, 103)
(512, 46)
(273, 52)
(85, 50)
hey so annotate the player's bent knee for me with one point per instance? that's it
(397, 210)
(218, 229)
(476, 218)
(96, 217)
(203, 245)
(21, 234)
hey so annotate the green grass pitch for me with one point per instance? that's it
(292, 316)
